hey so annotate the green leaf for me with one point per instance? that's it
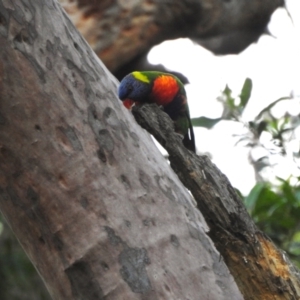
(251, 199)
(282, 220)
(263, 202)
(227, 91)
(246, 93)
(270, 106)
(205, 122)
(229, 101)
(296, 237)
(294, 249)
(289, 193)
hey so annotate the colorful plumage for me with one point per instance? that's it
(165, 90)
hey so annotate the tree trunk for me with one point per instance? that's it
(90, 198)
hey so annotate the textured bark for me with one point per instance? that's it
(92, 201)
(121, 32)
(260, 269)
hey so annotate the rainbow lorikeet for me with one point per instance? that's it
(165, 90)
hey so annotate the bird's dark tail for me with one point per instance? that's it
(189, 138)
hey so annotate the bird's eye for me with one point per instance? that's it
(130, 88)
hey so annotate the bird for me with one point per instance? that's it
(165, 90)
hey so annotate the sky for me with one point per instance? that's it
(273, 64)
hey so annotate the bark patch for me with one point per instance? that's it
(174, 240)
(133, 270)
(2, 120)
(144, 180)
(112, 237)
(164, 185)
(125, 181)
(135, 139)
(83, 282)
(4, 21)
(105, 140)
(68, 139)
(111, 118)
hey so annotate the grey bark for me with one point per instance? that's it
(90, 198)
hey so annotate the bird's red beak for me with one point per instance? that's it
(128, 103)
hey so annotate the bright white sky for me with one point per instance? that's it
(273, 64)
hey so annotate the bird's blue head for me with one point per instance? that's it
(135, 87)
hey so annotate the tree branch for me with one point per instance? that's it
(260, 269)
(121, 31)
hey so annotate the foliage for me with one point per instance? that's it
(273, 204)
(19, 279)
(231, 110)
(276, 211)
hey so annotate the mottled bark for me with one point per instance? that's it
(121, 32)
(260, 269)
(92, 201)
